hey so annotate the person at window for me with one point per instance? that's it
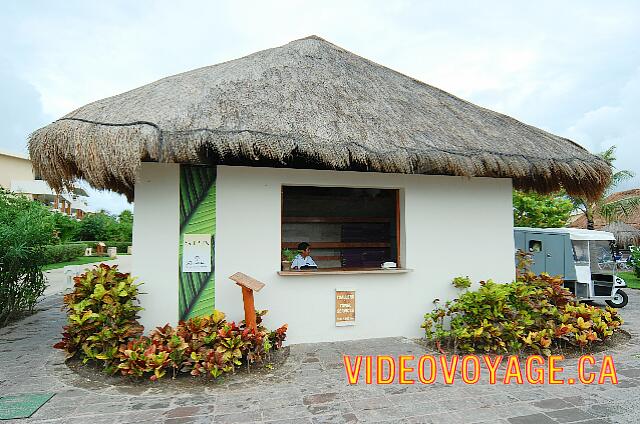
(303, 260)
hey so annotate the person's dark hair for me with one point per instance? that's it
(303, 246)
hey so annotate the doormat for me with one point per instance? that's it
(23, 405)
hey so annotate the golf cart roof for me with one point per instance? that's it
(574, 233)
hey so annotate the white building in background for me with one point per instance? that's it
(16, 174)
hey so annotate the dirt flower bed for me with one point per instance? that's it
(103, 330)
(90, 375)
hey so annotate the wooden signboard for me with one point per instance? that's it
(243, 280)
(248, 286)
(345, 307)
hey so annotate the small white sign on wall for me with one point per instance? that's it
(345, 307)
(196, 253)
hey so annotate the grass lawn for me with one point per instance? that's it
(81, 260)
(631, 279)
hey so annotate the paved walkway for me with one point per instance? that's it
(309, 388)
(57, 280)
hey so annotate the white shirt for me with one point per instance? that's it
(299, 262)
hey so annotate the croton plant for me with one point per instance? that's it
(535, 312)
(103, 327)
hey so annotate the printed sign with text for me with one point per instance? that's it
(196, 253)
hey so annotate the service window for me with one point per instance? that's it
(347, 228)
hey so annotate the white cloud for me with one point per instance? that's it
(616, 123)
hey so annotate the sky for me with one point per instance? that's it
(571, 67)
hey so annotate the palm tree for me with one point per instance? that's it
(612, 210)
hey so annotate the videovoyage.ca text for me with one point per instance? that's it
(534, 369)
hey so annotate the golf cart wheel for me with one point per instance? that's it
(619, 300)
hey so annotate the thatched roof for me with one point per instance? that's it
(625, 234)
(633, 219)
(307, 104)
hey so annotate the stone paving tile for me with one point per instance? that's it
(341, 407)
(531, 419)
(335, 418)
(379, 414)
(606, 409)
(287, 412)
(570, 415)
(445, 417)
(370, 403)
(551, 404)
(309, 388)
(239, 417)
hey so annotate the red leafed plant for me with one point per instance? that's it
(103, 327)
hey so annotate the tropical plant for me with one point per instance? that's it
(98, 226)
(613, 210)
(540, 210)
(288, 255)
(533, 313)
(103, 327)
(635, 259)
(66, 227)
(125, 226)
(102, 315)
(25, 228)
(461, 282)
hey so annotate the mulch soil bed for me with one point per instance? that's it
(90, 372)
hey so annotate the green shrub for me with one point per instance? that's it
(101, 315)
(534, 312)
(635, 259)
(103, 327)
(63, 252)
(120, 245)
(102, 226)
(66, 228)
(461, 282)
(25, 228)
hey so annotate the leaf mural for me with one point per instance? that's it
(197, 216)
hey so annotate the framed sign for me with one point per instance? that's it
(196, 253)
(345, 307)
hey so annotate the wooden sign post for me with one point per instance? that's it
(248, 285)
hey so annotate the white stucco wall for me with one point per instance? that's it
(451, 226)
(156, 238)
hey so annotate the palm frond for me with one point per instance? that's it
(618, 209)
(608, 155)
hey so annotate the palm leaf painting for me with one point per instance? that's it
(197, 216)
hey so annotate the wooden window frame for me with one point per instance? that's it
(398, 221)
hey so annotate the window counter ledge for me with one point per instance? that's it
(338, 271)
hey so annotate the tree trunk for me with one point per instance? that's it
(589, 214)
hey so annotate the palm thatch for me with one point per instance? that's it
(625, 234)
(307, 104)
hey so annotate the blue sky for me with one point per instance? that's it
(572, 68)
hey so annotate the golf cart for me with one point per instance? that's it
(585, 259)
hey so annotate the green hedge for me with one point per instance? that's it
(63, 252)
(120, 245)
